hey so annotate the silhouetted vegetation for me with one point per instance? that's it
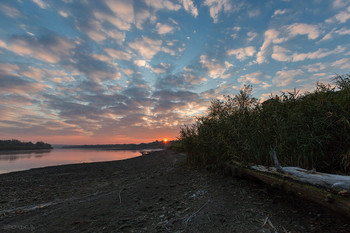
(153, 145)
(18, 145)
(311, 131)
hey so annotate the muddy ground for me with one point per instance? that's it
(153, 193)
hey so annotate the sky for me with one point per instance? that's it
(124, 71)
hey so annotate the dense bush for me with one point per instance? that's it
(311, 131)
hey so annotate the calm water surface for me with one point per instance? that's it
(23, 160)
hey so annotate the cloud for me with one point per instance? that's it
(282, 54)
(118, 36)
(253, 13)
(99, 75)
(93, 67)
(251, 36)
(12, 83)
(180, 81)
(2, 44)
(171, 81)
(158, 70)
(10, 11)
(265, 85)
(128, 72)
(215, 70)
(285, 77)
(15, 100)
(270, 35)
(189, 6)
(193, 79)
(101, 57)
(92, 113)
(95, 30)
(49, 48)
(161, 68)
(33, 73)
(41, 4)
(163, 4)
(146, 46)
(320, 53)
(121, 14)
(74, 113)
(317, 67)
(141, 17)
(340, 3)
(137, 92)
(118, 114)
(291, 31)
(8, 68)
(216, 6)
(311, 31)
(140, 62)
(63, 14)
(117, 54)
(328, 36)
(164, 28)
(343, 63)
(279, 12)
(252, 78)
(174, 47)
(172, 100)
(242, 53)
(343, 16)
(343, 31)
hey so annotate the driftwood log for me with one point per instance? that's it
(330, 191)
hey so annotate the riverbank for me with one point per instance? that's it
(153, 193)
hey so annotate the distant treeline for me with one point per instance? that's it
(18, 145)
(153, 145)
(311, 130)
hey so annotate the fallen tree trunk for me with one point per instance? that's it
(320, 188)
(328, 181)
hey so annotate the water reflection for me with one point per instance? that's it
(22, 160)
(21, 154)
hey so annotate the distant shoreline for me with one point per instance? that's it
(141, 146)
(101, 148)
(15, 144)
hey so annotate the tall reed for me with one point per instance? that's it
(311, 130)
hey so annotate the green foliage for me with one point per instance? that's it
(311, 131)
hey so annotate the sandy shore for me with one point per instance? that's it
(154, 193)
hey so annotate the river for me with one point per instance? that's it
(22, 160)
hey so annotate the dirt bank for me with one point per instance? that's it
(153, 193)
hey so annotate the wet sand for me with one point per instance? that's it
(153, 193)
